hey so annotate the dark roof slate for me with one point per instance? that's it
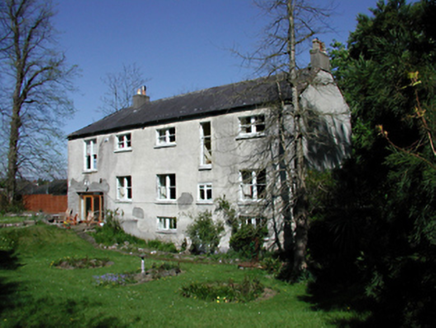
(216, 100)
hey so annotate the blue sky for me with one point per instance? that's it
(180, 45)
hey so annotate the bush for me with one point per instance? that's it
(272, 265)
(205, 233)
(248, 239)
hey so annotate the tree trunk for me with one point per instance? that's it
(11, 182)
(299, 174)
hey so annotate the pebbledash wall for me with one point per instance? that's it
(197, 183)
(184, 152)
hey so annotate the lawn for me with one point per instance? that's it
(34, 293)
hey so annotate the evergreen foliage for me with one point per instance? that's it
(205, 233)
(380, 213)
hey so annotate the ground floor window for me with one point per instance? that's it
(257, 221)
(166, 223)
(124, 188)
(166, 186)
(205, 192)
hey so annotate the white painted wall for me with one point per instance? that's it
(230, 154)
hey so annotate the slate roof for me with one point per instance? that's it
(207, 102)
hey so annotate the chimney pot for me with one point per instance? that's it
(142, 90)
(141, 97)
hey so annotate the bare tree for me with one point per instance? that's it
(293, 23)
(121, 87)
(35, 82)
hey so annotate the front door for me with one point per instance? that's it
(92, 203)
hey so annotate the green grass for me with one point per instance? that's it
(35, 294)
(13, 219)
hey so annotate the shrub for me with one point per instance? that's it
(205, 233)
(271, 265)
(249, 289)
(248, 239)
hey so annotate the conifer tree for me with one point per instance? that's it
(385, 196)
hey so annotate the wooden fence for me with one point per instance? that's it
(50, 204)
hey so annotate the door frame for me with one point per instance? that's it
(98, 212)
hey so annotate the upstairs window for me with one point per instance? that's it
(252, 184)
(166, 136)
(205, 144)
(166, 187)
(124, 141)
(252, 125)
(91, 155)
(205, 192)
(166, 224)
(124, 188)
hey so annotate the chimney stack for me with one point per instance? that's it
(140, 98)
(318, 56)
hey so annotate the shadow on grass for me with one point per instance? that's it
(8, 289)
(20, 309)
(340, 298)
(51, 313)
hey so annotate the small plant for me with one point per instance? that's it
(205, 233)
(271, 265)
(6, 244)
(161, 246)
(163, 270)
(224, 292)
(112, 279)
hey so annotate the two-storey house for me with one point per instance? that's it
(161, 162)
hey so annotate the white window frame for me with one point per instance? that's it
(124, 142)
(252, 126)
(90, 155)
(205, 146)
(166, 136)
(124, 188)
(204, 190)
(166, 224)
(256, 221)
(165, 189)
(252, 188)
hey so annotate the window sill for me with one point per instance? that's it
(169, 145)
(204, 202)
(205, 167)
(89, 171)
(167, 232)
(123, 201)
(250, 136)
(123, 150)
(250, 201)
(164, 201)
